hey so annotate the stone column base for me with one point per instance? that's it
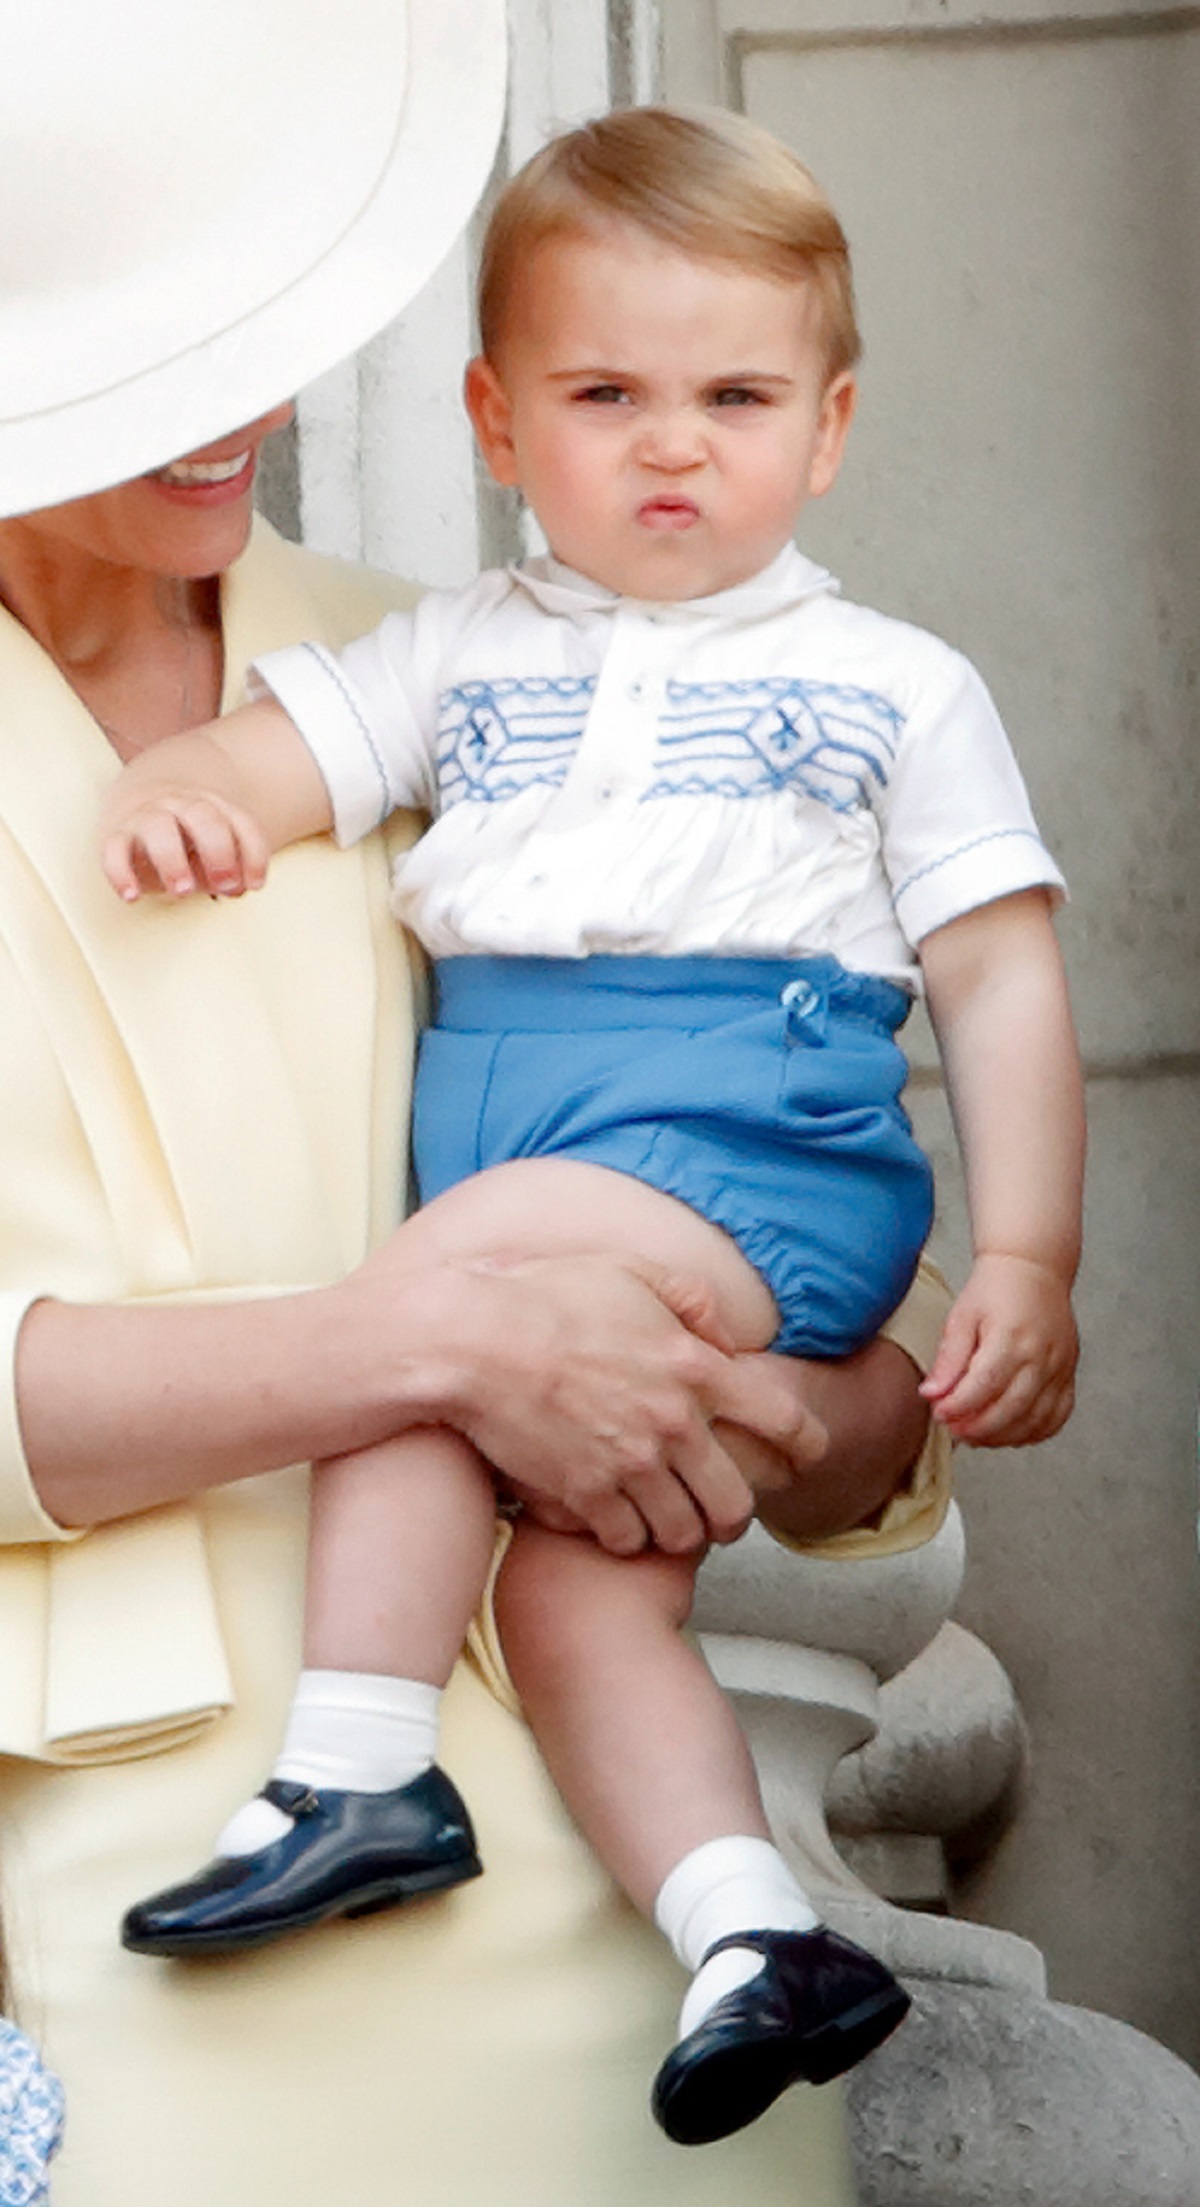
(993, 2098)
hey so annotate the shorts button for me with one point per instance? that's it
(800, 997)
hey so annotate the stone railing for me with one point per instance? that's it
(869, 1710)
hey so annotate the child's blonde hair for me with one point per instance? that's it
(713, 185)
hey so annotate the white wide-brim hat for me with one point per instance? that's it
(206, 203)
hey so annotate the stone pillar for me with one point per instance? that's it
(865, 1704)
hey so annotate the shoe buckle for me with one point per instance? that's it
(294, 1799)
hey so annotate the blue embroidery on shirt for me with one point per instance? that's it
(749, 739)
(497, 738)
(833, 741)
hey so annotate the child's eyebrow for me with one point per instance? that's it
(596, 374)
(591, 374)
(750, 375)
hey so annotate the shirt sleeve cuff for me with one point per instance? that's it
(332, 717)
(990, 866)
(22, 1517)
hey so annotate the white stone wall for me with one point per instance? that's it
(384, 468)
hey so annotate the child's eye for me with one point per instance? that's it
(601, 394)
(739, 394)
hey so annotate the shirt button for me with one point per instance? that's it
(605, 791)
(800, 997)
(637, 689)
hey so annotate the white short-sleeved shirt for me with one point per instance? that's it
(768, 772)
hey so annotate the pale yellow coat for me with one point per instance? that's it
(186, 1098)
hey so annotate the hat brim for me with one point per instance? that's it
(439, 162)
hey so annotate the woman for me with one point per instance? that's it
(202, 1137)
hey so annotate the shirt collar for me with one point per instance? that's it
(789, 579)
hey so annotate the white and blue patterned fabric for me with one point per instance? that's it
(31, 2120)
(770, 772)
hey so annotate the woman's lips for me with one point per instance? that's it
(207, 482)
(668, 513)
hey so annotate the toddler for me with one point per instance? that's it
(701, 829)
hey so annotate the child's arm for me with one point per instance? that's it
(205, 810)
(1005, 1368)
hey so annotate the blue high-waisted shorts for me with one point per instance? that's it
(762, 1092)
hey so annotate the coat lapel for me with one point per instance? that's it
(219, 1056)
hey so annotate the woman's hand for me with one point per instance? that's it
(590, 1386)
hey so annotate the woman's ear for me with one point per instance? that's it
(491, 418)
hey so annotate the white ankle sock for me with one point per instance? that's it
(719, 1889)
(352, 1731)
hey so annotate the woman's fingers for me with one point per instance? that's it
(617, 1524)
(579, 1382)
(690, 1297)
(763, 1393)
(702, 1497)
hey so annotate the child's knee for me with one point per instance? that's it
(559, 1595)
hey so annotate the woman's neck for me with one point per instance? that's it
(142, 651)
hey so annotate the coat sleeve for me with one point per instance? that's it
(22, 1517)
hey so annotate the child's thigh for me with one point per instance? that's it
(556, 1206)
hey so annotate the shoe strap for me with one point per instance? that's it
(759, 1942)
(294, 1799)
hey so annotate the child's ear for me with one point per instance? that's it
(491, 418)
(833, 427)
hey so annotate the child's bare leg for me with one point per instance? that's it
(555, 1206)
(639, 1739)
(649, 1757)
(400, 1545)
(395, 1572)
(356, 1815)
(401, 1534)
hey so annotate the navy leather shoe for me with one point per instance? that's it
(346, 1854)
(816, 2007)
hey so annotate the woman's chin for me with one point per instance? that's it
(194, 536)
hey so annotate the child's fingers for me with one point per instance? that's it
(960, 1337)
(996, 1392)
(178, 847)
(228, 852)
(161, 854)
(1006, 1424)
(116, 858)
(994, 1367)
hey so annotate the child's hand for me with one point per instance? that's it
(1004, 1374)
(174, 841)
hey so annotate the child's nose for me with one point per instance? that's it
(672, 440)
